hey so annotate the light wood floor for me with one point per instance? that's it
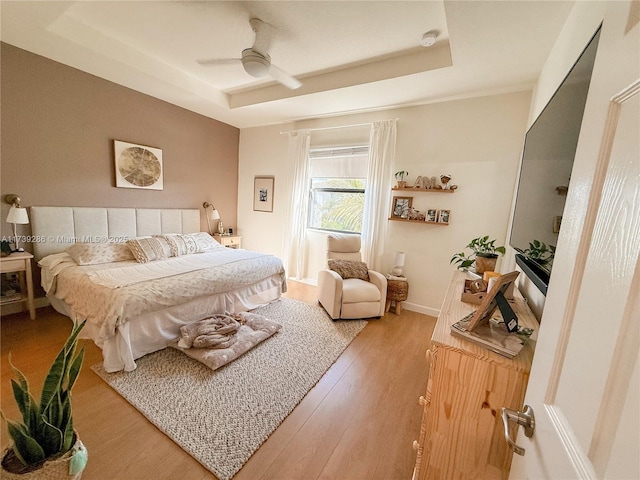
(358, 422)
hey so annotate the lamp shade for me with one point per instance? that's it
(215, 215)
(18, 215)
(399, 260)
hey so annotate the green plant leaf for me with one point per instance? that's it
(60, 367)
(21, 394)
(26, 448)
(74, 370)
(52, 439)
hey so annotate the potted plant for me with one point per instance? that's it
(45, 445)
(484, 255)
(400, 178)
(539, 253)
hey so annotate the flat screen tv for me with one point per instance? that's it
(547, 161)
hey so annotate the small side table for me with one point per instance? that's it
(20, 262)
(230, 241)
(397, 292)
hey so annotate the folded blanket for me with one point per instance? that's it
(254, 329)
(218, 331)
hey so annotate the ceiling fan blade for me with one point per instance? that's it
(264, 33)
(284, 78)
(219, 61)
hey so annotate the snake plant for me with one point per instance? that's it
(47, 426)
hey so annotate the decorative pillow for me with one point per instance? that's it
(180, 244)
(148, 249)
(96, 253)
(350, 269)
(204, 241)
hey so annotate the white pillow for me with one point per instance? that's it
(149, 249)
(205, 242)
(180, 244)
(96, 253)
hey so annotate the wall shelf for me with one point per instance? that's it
(442, 224)
(422, 190)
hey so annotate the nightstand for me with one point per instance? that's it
(20, 263)
(230, 241)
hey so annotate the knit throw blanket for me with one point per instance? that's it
(222, 338)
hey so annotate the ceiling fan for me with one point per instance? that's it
(255, 60)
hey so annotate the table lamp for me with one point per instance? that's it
(215, 215)
(398, 264)
(17, 215)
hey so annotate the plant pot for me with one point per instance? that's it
(402, 184)
(55, 469)
(486, 262)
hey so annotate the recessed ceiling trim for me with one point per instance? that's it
(103, 44)
(409, 62)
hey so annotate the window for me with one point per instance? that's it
(337, 186)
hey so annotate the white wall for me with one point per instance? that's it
(478, 141)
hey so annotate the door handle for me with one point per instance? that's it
(526, 419)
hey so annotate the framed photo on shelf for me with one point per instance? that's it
(432, 215)
(443, 216)
(400, 207)
(495, 299)
(263, 194)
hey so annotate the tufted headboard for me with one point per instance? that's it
(54, 229)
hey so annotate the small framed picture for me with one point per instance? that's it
(432, 215)
(443, 216)
(263, 194)
(400, 207)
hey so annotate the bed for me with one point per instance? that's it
(91, 269)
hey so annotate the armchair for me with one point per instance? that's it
(350, 297)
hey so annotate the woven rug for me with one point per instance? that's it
(221, 417)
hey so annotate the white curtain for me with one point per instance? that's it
(377, 199)
(294, 238)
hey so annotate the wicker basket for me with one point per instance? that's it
(57, 469)
(397, 290)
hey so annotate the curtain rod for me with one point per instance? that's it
(332, 128)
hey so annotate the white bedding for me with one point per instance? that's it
(122, 276)
(132, 310)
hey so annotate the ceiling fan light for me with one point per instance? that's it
(255, 64)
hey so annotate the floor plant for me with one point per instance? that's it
(46, 435)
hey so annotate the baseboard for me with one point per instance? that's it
(307, 281)
(420, 309)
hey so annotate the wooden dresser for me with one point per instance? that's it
(462, 435)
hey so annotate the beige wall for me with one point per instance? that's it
(57, 130)
(478, 141)
(58, 126)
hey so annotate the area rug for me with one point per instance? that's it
(221, 417)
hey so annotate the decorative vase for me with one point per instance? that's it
(402, 184)
(69, 466)
(220, 228)
(486, 262)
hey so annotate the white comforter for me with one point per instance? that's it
(110, 295)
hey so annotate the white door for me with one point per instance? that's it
(584, 381)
